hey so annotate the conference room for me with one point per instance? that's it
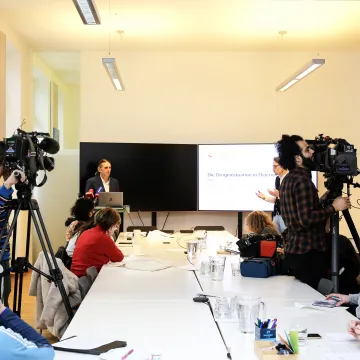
(184, 101)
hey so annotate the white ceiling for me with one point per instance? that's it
(191, 24)
(55, 26)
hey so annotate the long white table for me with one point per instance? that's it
(155, 309)
(180, 329)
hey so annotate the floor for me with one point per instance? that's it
(28, 307)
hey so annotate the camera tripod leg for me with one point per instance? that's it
(55, 272)
(19, 277)
(12, 226)
(352, 228)
(335, 251)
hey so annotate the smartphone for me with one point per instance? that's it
(314, 336)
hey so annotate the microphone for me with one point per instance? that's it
(49, 145)
(90, 194)
(98, 191)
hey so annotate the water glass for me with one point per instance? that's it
(222, 308)
(249, 309)
(191, 247)
(302, 333)
(217, 267)
(235, 269)
(205, 269)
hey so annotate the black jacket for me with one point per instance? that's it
(95, 183)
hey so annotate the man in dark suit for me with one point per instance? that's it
(102, 179)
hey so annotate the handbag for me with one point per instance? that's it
(259, 245)
(258, 268)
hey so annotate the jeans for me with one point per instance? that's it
(279, 223)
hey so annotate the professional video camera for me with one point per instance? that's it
(335, 157)
(24, 151)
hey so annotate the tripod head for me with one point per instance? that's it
(335, 184)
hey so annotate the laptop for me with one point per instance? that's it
(111, 199)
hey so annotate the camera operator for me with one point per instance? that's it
(5, 195)
(303, 212)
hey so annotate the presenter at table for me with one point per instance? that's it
(102, 180)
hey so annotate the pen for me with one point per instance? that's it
(68, 338)
(126, 355)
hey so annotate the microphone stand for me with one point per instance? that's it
(207, 302)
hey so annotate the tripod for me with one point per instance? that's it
(21, 265)
(335, 186)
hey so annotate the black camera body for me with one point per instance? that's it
(26, 152)
(335, 157)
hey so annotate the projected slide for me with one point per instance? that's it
(230, 175)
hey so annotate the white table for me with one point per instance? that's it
(316, 321)
(155, 309)
(275, 287)
(123, 284)
(180, 329)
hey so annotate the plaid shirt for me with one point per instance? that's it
(302, 212)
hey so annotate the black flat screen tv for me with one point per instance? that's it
(153, 177)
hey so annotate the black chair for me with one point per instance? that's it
(209, 228)
(84, 286)
(91, 274)
(141, 228)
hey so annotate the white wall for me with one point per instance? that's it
(57, 196)
(21, 98)
(41, 88)
(13, 89)
(217, 97)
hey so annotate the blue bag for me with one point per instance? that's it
(258, 268)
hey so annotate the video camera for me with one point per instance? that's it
(26, 152)
(335, 157)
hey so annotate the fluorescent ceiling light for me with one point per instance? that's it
(306, 70)
(110, 66)
(87, 11)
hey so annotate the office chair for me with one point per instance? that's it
(92, 274)
(209, 228)
(84, 286)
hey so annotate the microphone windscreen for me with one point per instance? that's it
(49, 145)
(90, 194)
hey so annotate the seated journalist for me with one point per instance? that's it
(18, 340)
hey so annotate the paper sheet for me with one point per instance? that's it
(344, 356)
(341, 337)
(319, 308)
(176, 250)
(189, 267)
(146, 264)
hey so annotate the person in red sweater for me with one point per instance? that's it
(95, 247)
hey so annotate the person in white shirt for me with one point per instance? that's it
(280, 173)
(102, 181)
